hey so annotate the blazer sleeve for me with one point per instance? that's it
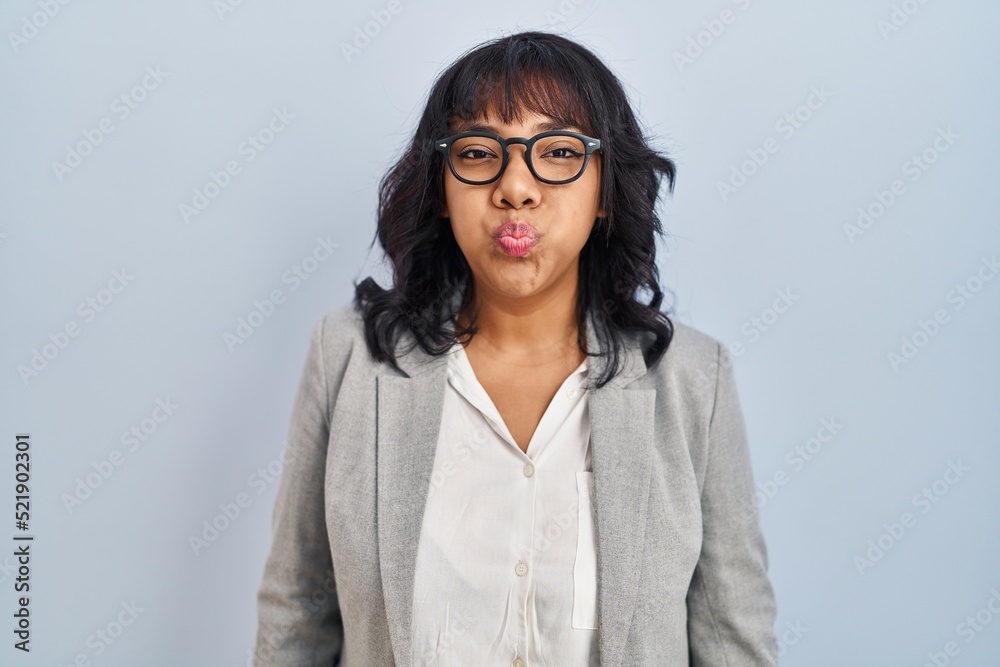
(730, 602)
(298, 615)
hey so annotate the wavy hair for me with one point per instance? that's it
(551, 75)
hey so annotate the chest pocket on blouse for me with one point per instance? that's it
(585, 568)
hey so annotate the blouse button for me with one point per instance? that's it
(573, 393)
(518, 662)
(529, 470)
(521, 569)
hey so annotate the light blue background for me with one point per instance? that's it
(825, 357)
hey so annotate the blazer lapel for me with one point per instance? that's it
(621, 435)
(409, 409)
(409, 419)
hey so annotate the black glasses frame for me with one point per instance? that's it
(590, 145)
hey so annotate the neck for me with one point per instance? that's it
(544, 323)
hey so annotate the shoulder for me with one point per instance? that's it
(332, 358)
(335, 334)
(341, 325)
(691, 346)
(692, 367)
(691, 352)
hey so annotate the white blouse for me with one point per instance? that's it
(506, 570)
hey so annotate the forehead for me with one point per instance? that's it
(530, 123)
(534, 101)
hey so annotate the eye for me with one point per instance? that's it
(563, 153)
(560, 149)
(475, 153)
(476, 149)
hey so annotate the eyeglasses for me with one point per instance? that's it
(557, 157)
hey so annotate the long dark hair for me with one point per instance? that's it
(552, 75)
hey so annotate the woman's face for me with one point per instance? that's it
(538, 261)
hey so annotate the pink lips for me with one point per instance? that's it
(516, 237)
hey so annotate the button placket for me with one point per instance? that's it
(527, 491)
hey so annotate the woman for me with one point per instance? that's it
(508, 458)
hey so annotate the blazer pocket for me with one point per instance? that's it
(585, 567)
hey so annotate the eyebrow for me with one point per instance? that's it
(546, 126)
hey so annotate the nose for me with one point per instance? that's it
(517, 186)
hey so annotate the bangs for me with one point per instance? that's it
(524, 78)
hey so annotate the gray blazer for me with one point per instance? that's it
(681, 560)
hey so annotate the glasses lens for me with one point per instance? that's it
(558, 157)
(477, 158)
